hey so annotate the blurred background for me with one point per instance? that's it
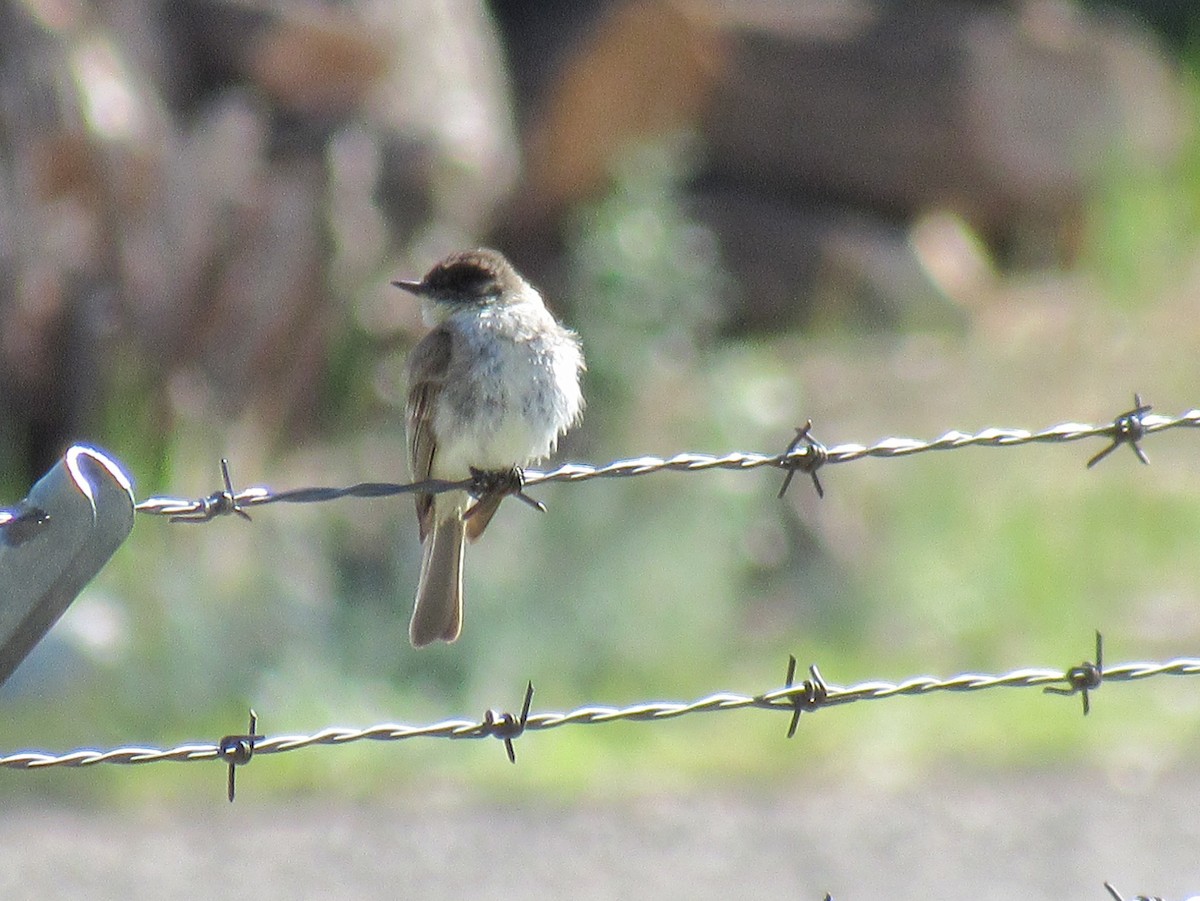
(895, 218)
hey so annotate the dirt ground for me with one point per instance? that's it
(1029, 836)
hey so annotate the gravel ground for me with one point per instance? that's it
(1029, 836)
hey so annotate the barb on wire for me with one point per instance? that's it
(505, 726)
(218, 503)
(1127, 428)
(1083, 678)
(237, 750)
(814, 457)
(815, 694)
(808, 695)
(803, 454)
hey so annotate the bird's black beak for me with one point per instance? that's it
(410, 287)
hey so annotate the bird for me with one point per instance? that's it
(492, 387)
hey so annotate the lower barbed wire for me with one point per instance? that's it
(783, 699)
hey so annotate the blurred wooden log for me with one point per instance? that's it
(1003, 115)
(79, 146)
(912, 105)
(310, 60)
(647, 68)
(818, 264)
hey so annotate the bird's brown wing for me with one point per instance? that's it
(427, 365)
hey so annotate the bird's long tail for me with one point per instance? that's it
(438, 610)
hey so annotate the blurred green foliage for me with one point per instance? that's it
(1142, 225)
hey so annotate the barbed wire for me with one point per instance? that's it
(793, 698)
(803, 454)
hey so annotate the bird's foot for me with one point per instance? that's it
(495, 484)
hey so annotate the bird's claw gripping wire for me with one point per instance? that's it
(486, 483)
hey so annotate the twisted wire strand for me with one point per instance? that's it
(849, 453)
(789, 698)
(1129, 427)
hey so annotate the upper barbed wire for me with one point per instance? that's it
(804, 454)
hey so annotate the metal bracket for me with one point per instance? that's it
(54, 542)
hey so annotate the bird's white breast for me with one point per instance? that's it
(511, 389)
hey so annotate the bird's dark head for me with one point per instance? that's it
(468, 277)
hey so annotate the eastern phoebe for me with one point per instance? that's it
(491, 388)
